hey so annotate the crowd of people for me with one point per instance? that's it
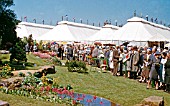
(149, 65)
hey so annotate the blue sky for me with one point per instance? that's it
(94, 11)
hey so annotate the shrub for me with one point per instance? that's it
(77, 66)
(6, 71)
(56, 61)
(18, 52)
(38, 74)
(21, 74)
(50, 70)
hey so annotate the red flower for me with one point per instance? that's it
(74, 102)
(78, 95)
(54, 90)
(94, 97)
(83, 95)
(79, 98)
(48, 88)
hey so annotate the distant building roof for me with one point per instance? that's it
(70, 31)
(24, 29)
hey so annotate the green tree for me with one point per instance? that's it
(18, 51)
(7, 23)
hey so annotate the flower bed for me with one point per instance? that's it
(42, 55)
(39, 88)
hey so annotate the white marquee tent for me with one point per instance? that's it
(24, 29)
(70, 31)
(104, 34)
(139, 30)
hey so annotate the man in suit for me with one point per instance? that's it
(70, 52)
(115, 60)
(135, 62)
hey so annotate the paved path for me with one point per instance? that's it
(16, 73)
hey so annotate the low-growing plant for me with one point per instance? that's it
(38, 74)
(77, 66)
(31, 87)
(21, 74)
(31, 80)
(56, 61)
(6, 71)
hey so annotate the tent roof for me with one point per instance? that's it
(70, 31)
(26, 28)
(138, 29)
(104, 33)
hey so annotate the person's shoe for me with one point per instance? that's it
(143, 81)
(140, 80)
(147, 87)
(157, 88)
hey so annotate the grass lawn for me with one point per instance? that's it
(123, 91)
(5, 57)
(40, 62)
(15, 100)
(126, 92)
(31, 60)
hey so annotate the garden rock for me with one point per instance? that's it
(13, 79)
(3, 103)
(11, 84)
(153, 101)
(49, 70)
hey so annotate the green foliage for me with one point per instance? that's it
(18, 52)
(77, 66)
(31, 80)
(56, 61)
(21, 74)
(3, 56)
(6, 71)
(7, 24)
(38, 74)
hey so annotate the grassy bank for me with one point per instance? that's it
(120, 90)
(15, 100)
(29, 64)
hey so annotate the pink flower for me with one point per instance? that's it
(101, 102)
(89, 100)
(42, 89)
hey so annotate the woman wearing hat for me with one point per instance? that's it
(155, 66)
(145, 66)
(167, 73)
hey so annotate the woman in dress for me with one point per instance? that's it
(129, 60)
(167, 73)
(162, 69)
(155, 66)
(145, 66)
(111, 65)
